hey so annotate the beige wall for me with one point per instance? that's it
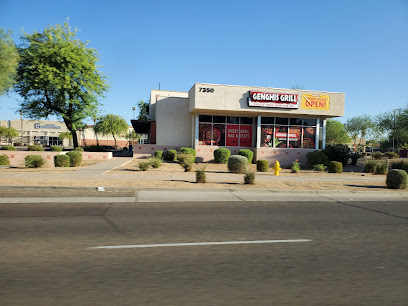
(230, 99)
(173, 121)
(156, 95)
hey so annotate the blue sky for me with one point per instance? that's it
(356, 47)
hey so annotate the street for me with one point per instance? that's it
(333, 253)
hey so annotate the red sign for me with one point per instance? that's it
(232, 135)
(269, 99)
(245, 136)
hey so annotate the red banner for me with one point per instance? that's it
(245, 136)
(232, 135)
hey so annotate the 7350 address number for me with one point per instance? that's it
(206, 89)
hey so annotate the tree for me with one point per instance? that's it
(336, 132)
(8, 61)
(111, 125)
(8, 133)
(359, 126)
(143, 110)
(395, 125)
(58, 75)
(132, 136)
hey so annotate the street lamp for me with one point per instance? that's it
(21, 127)
(134, 108)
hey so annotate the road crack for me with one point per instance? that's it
(109, 221)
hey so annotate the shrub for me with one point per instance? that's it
(370, 166)
(79, 149)
(186, 150)
(247, 153)
(249, 178)
(34, 161)
(403, 165)
(316, 157)
(295, 168)
(319, 167)
(144, 165)
(396, 179)
(75, 158)
(377, 155)
(237, 163)
(8, 148)
(155, 162)
(381, 168)
(262, 165)
(171, 155)
(354, 157)
(221, 155)
(125, 149)
(62, 161)
(159, 154)
(186, 161)
(4, 160)
(335, 167)
(391, 155)
(200, 176)
(338, 152)
(18, 144)
(35, 148)
(56, 148)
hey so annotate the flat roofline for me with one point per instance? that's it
(306, 90)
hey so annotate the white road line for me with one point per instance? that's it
(195, 244)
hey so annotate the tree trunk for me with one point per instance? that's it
(73, 133)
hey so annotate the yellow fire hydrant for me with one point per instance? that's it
(276, 167)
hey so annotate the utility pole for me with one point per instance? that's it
(21, 127)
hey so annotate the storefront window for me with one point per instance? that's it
(281, 136)
(219, 135)
(309, 137)
(205, 134)
(295, 137)
(267, 136)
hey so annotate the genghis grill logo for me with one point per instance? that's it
(270, 99)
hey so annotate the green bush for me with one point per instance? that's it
(144, 165)
(377, 155)
(319, 167)
(159, 154)
(191, 151)
(391, 155)
(237, 163)
(56, 148)
(186, 161)
(396, 179)
(8, 148)
(262, 165)
(4, 160)
(247, 153)
(315, 158)
(403, 165)
(155, 162)
(171, 155)
(35, 148)
(370, 166)
(249, 178)
(381, 168)
(338, 152)
(75, 157)
(200, 176)
(221, 155)
(79, 149)
(295, 168)
(62, 161)
(354, 158)
(335, 167)
(18, 144)
(34, 161)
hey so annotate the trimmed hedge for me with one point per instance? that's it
(247, 153)
(316, 158)
(8, 148)
(338, 152)
(34, 161)
(396, 179)
(62, 161)
(335, 167)
(221, 155)
(186, 161)
(403, 165)
(35, 148)
(144, 165)
(237, 163)
(76, 158)
(377, 155)
(171, 155)
(354, 158)
(262, 165)
(186, 150)
(155, 162)
(79, 149)
(381, 168)
(56, 148)
(159, 154)
(4, 160)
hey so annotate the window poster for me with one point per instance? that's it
(281, 136)
(219, 135)
(295, 136)
(267, 136)
(309, 137)
(204, 134)
(232, 135)
(245, 136)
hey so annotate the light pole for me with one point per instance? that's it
(21, 127)
(133, 108)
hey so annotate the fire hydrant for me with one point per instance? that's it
(276, 167)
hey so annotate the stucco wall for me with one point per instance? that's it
(156, 95)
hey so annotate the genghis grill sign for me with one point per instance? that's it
(270, 99)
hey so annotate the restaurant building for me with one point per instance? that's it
(276, 124)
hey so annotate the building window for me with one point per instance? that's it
(277, 132)
(225, 131)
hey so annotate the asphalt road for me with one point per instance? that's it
(357, 253)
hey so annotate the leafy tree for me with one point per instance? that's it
(8, 61)
(395, 125)
(111, 125)
(8, 133)
(58, 75)
(132, 136)
(143, 110)
(336, 132)
(359, 126)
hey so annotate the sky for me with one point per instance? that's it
(353, 46)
